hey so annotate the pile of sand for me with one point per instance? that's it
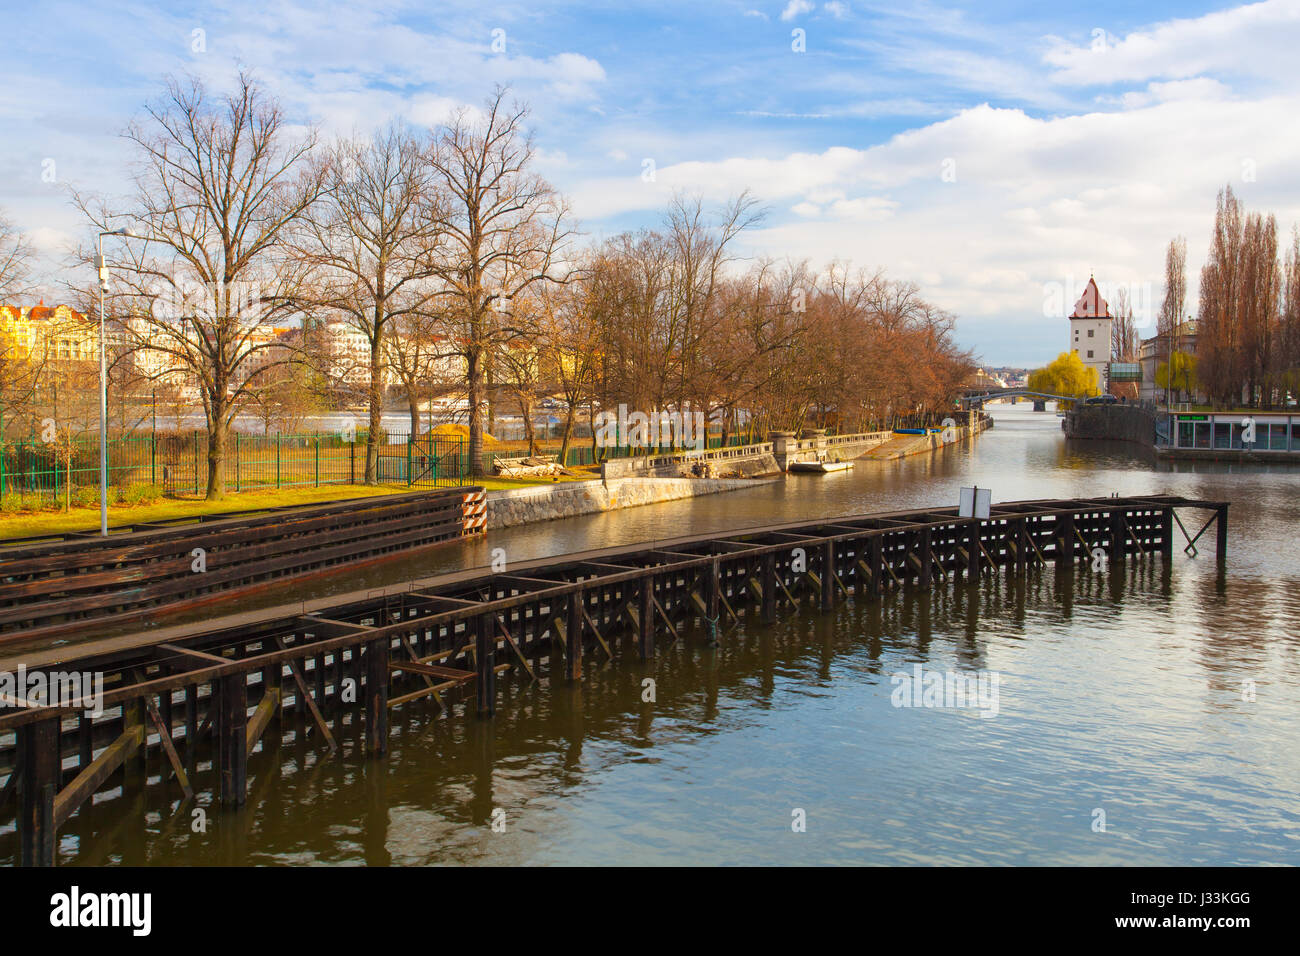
(457, 430)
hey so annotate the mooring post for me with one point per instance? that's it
(232, 730)
(485, 665)
(1167, 531)
(573, 638)
(1221, 529)
(973, 551)
(1117, 534)
(878, 565)
(1065, 537)
(1022, 544)
(925, 572)
(646, 642)
(376, 661)
(769, 588)
(828, 574)
(712, 590)
(38, 762)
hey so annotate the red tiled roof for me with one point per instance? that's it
(1091, 305)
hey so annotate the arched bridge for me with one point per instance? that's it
(980, 396)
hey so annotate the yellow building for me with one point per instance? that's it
(49, 334)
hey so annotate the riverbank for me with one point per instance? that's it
(516, 506)
(902, 446)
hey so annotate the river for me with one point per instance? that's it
(1127, 727)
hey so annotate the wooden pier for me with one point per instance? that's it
(173, 702)
(53, 586)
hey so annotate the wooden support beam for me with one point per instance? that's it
(769, 588)
(712, 594)
(1128, 530)
(485, 664)
(190, 652)
(925, 573)
(877, 565)
(261, 719)
(38, 754)
(231, 693)
(453, 674)
(664, 617)
(1221, 539)
(376, 663)
(305, 698)
(514, 646)
(1065, 535)
(828, 574)
(794, 602)
(1117, 537)
(83, 787)
(573, 638)
(169, 747)
(646, 632)
(609, 655)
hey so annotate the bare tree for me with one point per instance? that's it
(15, 259)
(371, 245)
(1169, 323)
(19, 370)
(218, 189)
(506, 231)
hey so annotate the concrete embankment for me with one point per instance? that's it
(1112, 423)
(900, 446)
(518, 506)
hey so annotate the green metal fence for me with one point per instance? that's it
(178, 463)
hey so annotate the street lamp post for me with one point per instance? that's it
(103, 380)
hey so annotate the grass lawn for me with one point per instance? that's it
(30, 524)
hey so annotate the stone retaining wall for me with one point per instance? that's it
(517, 506)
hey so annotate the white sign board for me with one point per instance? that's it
(975, 502)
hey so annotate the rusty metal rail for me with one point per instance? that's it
(211, 695)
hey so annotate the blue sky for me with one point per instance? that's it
(994, 154)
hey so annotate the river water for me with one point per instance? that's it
(1144, 714)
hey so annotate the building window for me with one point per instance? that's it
(1089, 353)
(1090, 333)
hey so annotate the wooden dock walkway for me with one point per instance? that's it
(177, 697)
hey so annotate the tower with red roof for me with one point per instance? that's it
(1090, 331)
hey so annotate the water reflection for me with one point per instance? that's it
(1123, 690)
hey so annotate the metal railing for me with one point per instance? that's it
(178, 463)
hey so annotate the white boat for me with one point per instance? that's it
(820, 467)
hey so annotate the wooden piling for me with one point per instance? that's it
(232, 724)
(376, 662)
(828, 574)
(645, 617)
(1118, 536)
(925, 572)
(769, 588)
(485, 664)
(573, 638)
(38, 756)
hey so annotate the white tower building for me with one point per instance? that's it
(1090, 331)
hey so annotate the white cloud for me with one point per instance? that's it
(796, 8)
(1258, 39)
(836, 9)
(1036, 200)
